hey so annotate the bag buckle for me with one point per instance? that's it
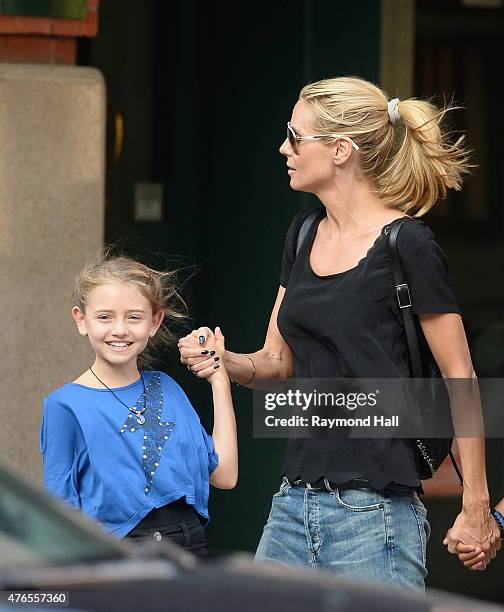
(403, 296)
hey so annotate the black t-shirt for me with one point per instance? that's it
(348, 325)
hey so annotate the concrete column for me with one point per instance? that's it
(52, 167)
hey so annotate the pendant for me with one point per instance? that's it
(140, 419)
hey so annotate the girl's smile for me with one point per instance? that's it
(119, 346)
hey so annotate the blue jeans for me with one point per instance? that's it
(361, 533)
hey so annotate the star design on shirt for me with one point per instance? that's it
(155, 431)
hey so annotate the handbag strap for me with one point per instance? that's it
(404, 301)
(305, 228)
(405, 304)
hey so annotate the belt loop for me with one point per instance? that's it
(327, 485)
(187, 535)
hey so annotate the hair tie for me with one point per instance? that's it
(393, 111)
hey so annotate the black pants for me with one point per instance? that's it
(177, 523)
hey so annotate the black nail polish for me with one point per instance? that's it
(216, 359)
(201, 339)
(216, 365)
(212, 353)
(204, 352)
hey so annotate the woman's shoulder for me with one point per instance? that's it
(414, 234)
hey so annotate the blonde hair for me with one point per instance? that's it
(160, 289)
(412, 163)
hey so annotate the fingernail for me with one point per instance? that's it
(216, 365)
(212, 353)
(201, 339)
(216, 359)
(204, 352)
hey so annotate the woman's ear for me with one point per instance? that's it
(157, 319)
(342, 151)
(80, 320)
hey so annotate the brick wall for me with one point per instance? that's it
(45, 40)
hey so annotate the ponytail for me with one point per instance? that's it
(425, 164)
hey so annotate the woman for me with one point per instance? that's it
(351, 506)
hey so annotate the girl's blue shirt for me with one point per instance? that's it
(98, 458)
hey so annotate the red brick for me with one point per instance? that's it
(37, 49)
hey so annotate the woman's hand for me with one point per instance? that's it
(474, 537)
(202, 351)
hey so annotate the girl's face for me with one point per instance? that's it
(118, 321)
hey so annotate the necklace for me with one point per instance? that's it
(138, 413)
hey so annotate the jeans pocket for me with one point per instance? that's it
(421, 515)
(284, 487)
(359, 500)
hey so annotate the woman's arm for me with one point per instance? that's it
(273, 361)
(474, 525)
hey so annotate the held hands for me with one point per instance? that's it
(474, 537)
(202, 352)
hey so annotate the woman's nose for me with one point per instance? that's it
(285, 148)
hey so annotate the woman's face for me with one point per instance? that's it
(312, 168)
(118, 322)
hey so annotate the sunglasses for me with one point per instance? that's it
(294, 138)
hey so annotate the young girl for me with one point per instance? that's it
(124, 444)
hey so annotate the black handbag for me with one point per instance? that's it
(430, 452)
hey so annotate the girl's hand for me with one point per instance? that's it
(471, 556)
(202, 351)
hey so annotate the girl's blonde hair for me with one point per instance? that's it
(411, 162)
(160, 288)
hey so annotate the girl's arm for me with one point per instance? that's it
(225, 475)
(61, 443)
(273, 361)
(474, 525)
